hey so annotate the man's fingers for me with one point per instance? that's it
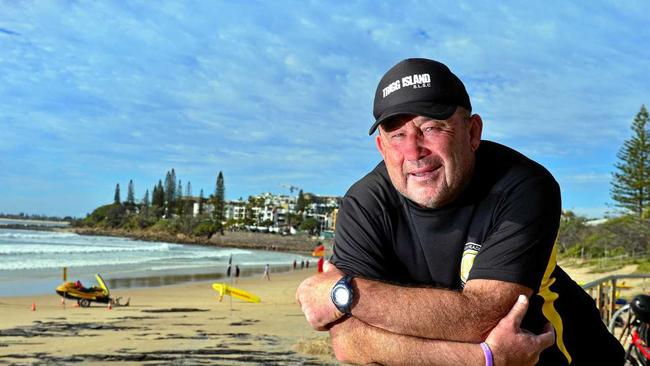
(547, 338)
(518, 311)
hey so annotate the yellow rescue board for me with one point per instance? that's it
(224, 289)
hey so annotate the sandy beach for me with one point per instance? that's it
(180, 324)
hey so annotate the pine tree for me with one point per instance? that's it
(145, 203)
(155, 202)
(158, 199)
(117, 200)
(180, 204)
(201, 202)
(170, 191)
(631, 182)
(219, 199)
(188, 203)
(130, 196)
(161, 193)
(145, 199)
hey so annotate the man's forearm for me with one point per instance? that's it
(359, 343)
(465, 316)
(435, 313)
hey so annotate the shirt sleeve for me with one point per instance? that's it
(358, 238)
(525, 225)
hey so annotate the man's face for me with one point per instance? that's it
(430, 161)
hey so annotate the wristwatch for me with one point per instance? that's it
(343, 295)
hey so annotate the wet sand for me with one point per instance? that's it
(179, 324)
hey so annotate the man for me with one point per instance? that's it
(440, 239)
(267, 272)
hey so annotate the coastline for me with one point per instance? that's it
(299, 244)
(280, 252)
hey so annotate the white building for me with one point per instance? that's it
(235, 210)
(275, 210)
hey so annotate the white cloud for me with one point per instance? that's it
(111, 87)
(589, 178)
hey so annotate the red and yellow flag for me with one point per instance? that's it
(319, 251)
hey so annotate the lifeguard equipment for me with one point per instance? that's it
(224, 289)
(86, 295)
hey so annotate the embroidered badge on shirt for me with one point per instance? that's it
(469, 253)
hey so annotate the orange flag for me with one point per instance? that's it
(319, 251)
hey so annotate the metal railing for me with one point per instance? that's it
(605, 291)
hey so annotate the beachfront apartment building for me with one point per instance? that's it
(235, 210)
(263, 214)
(267, 208)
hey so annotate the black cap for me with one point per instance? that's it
(420, 87)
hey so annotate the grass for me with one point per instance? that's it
(608, 264)
(644, 266)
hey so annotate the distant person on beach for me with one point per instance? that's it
(267, 273)
(236, 272)
(435, 245)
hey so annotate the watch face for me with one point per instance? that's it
(341, 295)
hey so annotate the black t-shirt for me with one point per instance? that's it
(503, 226)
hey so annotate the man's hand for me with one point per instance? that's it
(313, 295)
(512, 345)
(356, 342)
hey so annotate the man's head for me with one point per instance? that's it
(427, 133)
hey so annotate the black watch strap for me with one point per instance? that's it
(345, 282)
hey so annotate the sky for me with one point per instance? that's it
(279, 93)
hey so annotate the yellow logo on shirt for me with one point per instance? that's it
(467, 261)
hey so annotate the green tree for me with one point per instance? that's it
(130, 196)
(310, 224)
(250, 217)
(158, 196)
(170, 191)
(115, 215)
(630, 233)
(158, 199)
(179, 191)
(116, 199)
(180, 206)
(631, 180)
(302, 203)
(219, 199)
(188, 201)
(145, 203)
(201, 202)
(572, 232)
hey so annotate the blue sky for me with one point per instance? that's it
(280, 92)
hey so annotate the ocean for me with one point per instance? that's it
(31, 262)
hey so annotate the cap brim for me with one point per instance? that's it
(425, 109)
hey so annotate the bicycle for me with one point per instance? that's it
(636, 330)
